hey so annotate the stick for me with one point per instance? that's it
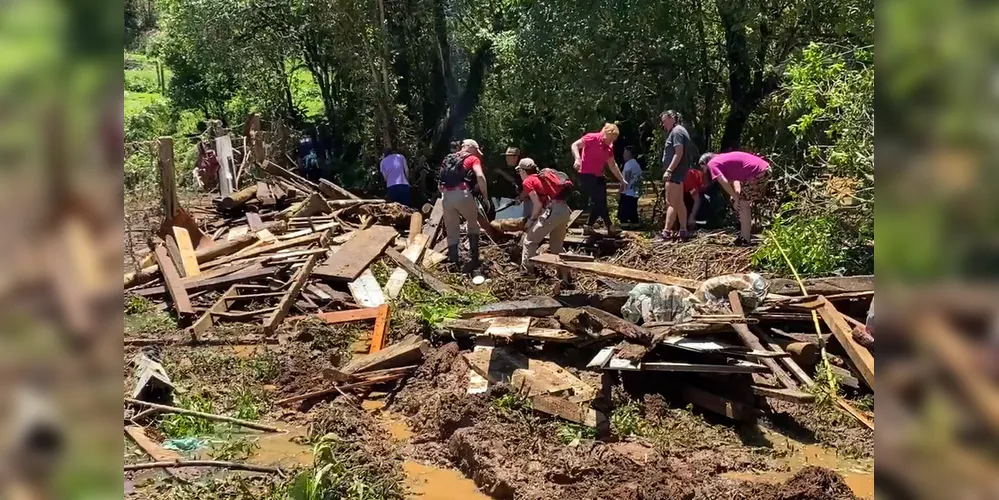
(207, 416)
(325, 392)
(202, 463)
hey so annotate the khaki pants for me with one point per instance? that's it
(459, 204)
(553, 223)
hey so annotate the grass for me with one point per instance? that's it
(627, 420)
(569, 433)
(342, 470)
(186, 426)
(142, 319)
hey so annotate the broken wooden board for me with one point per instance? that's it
(411, 268)
(297, 283)
(207, 320)
(381, 329)
(432, 228)
(477, 384)
(707, 345)
(508, 326)
(407, 352)
(556, 335)
(365, 290)
(676, 366)
(227, 164)
(413, 253)
(717, 404)
(789, 395)
(750, 341)
(824, 286)
(859, 355)
(335, 192)
(152, 383)
(357, 254)
(255, 222)
(173, 250)
(174, 286)
(530, 376)
(534, 306)
(189, 259)
(574, 412)
(602, 358)
(158, 453)
(613, 271)
(619, 325)
(345, 316)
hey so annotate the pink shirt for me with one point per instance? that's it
(737, 166)
(595, 154)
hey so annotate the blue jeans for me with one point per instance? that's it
(399, 194)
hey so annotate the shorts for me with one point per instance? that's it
(679, 174)
(755, 189)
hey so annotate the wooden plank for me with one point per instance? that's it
(750, 341)
(407, 352)
(556, 335)
(297, 282)
(433, 225)
(672, 366)
(413, 252)
(243, 315)
(824, 286)
(619, 325)
(357, 254)
(335, 192)
(410, 267)
(707, 345)
(574, 216)
(527, 375)
(381, 329)
(174, 286)
(416, 227)
(602, 358)
(508, 326)
(158, 453)
(227, 176)
(237, 232)
(573, 412)
(346, 316)
(784, 394)
(255, 222)
(188, 258)
(207, 320)
(534, 306)
(274, 169)
(265, 195)
(252, 273)
(173, 250)
(859, 355)
(274, 247)
(168, 180)
(791, 364)
(613, 271)
(717, 404)
(366, 291)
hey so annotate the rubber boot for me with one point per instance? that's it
(453, 256)
(473, 249)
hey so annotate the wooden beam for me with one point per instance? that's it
(787, 361)
(613, 271)
(750, 341)
(416, 226)
(619, 325)
(573, 412)
(784, 394)
(272, 248)
(534, 306)
(717, 404)
(410, 267)
(859, 355)
(297, 282)
(239, 198)
(253, 273)
(381, 329)
(138, 435)
(345, 316)
(189, 259)
(173, 250)
(408, 351)
(433, 225)
(168, 180)
(357, 254)
(823, 286)
(174, 286)
(336, 192)
(207, 321)
(413, 252)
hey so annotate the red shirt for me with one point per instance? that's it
(469, 162)
(595, 154)
(693, 182)
(533, 184)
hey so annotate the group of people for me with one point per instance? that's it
(544, 191)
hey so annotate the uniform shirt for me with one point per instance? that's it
(393, 168)
(595, 154)
(469, 162)
(632, 174)
(532, 183)
(693, 183)
(737, 166)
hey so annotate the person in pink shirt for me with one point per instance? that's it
(743, 176)
(592, 153)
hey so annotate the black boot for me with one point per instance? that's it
(473, 249)
(453, 256)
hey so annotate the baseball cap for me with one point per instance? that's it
(512, 152)
(471, 143)
(526, 164)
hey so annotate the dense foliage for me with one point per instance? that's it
(789, 79)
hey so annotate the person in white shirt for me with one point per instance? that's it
(627, 207)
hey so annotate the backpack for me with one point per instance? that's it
(453, 172)
(557, 184)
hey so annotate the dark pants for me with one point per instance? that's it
(399, 194)
(595, 188)
(627, 209)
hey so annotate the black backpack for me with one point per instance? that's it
(453, 172)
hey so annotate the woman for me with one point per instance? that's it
(592, 152)
(676, 161)
(743, 176)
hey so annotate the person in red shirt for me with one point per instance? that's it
(549, 214)
(693, 190)
(592, 153)
(461, 172)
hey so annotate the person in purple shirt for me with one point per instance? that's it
(743, 176)
(396, 174)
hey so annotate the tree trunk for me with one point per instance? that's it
(735, 124)
(454, 122)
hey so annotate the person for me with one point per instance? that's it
(550, 214)
(461, 173)
(627, 206)
(693, 193)
(743, 176)
(396, 174)
(675, 159)
(308, 158)
(591, 153)
(512, 156)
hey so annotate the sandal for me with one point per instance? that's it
(683, 235)
(666, 235)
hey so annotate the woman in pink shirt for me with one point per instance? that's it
(743, 176)
(592, 152)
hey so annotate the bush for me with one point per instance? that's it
(814, 244)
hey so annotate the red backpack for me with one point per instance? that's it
(556, 184)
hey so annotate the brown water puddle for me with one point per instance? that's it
(858, 474)
(425, 482)
(282, 449)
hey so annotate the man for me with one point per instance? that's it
(627, 206)
(675, 159)
(396, 173)
(512, 156)
(461, 173)
(744, 177)
(592, 153)
(549, 216)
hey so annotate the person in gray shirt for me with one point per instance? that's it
(676, 160)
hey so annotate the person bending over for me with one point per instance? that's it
(744, 177)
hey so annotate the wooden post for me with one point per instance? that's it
(168, 182)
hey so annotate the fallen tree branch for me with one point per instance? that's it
(202, 463)
(207, 416)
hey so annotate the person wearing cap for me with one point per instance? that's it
(461, 173)
(744, 177)
(549, 216)
(512, 156)
(592, 153)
